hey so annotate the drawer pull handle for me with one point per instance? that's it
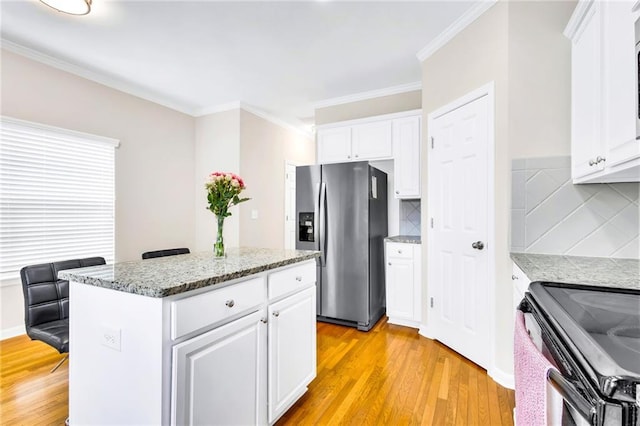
(298, 278)
(276, 314)
(230, 303)
(514, 277)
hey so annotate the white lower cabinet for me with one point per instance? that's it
(219, 376)
(250, 370)
(520, 285)
(403, 284)
(292, 350)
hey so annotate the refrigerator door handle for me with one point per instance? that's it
(323, 223)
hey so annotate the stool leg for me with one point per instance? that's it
(60, 363)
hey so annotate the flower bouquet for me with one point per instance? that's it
(223, 191)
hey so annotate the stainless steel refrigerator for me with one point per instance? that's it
(341, 210)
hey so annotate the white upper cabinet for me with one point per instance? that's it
(386, 137)
(603, 92)
(406, 145)
(371, 141)
(334, 145)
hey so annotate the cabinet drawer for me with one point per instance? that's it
(399, 250)
(193, 313)
(292, 279)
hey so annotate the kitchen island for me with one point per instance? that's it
(190, 339)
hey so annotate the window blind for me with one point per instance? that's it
(57, 196)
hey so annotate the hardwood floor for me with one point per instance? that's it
(388, 376)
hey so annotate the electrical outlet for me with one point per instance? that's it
(110, 337)
(254, 214)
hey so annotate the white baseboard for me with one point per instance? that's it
(425, 332)
(403, 322)
(505, 379)
(7, 333)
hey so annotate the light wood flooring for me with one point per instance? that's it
(388, 376)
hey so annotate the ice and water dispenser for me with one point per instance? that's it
(305, 225)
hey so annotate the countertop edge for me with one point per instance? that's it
(146, 291)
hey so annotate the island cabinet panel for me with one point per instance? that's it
(206, 309)
(291, 280)
(292, 350)
(221, 374)
(202, 356)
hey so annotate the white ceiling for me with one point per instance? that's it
(196, 56)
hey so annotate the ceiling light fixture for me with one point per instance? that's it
(72, 7)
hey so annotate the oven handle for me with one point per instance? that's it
(569, 393)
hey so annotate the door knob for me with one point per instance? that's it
(478, 245)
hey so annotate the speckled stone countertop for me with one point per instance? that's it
(407, 239)
(596, 271)
(166, 276)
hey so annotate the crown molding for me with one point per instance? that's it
(103, 79)
(218, 108)
(276, 120)
(394, 90)
(578, 15)
(141, 93)
(452, 30)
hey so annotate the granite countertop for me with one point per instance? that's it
(596, 271)
(407, 239)
(166, 276)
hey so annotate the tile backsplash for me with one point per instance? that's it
(551, 215)
(410, 217)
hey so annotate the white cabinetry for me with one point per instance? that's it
(359, 142)
(603, 88)
(292, 350)
(403, 283)
(372, 141)
(392, 136)
(334, 145)
(221, 374)
(406, 146)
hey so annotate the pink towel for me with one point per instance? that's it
(531, 369)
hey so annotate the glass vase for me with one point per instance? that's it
(218, 247)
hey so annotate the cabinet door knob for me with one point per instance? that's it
(592, 162)
(298, 278)
(356, 155)
(397, 192)
(600, 160)
(276, 314)
(399, 251)
(230, 303)
(514, 277)
(348, 157)
(263, 320)
(389, 263)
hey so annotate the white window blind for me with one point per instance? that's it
(57, 196)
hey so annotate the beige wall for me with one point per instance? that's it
(539, 79)
(154, 164)
(264, 149)
(406, 101)
(531, 113)
(217, 149)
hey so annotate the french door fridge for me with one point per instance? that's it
(341, 210)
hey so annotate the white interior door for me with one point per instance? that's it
(458, 259)
(290, 207)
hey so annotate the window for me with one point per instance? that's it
(56, 196)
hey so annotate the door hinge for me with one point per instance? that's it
(432, 302)
(432, 222)
(431, 142)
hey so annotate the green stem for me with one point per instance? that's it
(218, 247)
